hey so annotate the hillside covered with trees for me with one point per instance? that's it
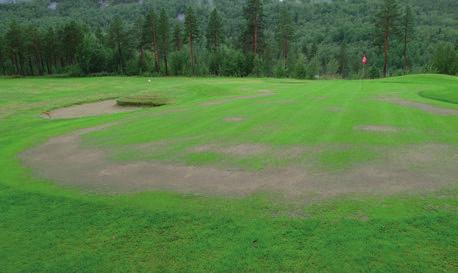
(289, 38)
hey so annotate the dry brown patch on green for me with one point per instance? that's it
(234, 119)
(378, 128)
(414, 168)
(421, 106)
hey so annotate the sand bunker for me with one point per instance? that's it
(88, 109)
(422, 106)
(411, 168)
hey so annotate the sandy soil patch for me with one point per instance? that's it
(413, 168)
(422, 106)
(378, 128)
(89, 109)
(234, 150)
(234, 119)
(335, 109)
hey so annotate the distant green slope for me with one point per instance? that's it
(448, 95)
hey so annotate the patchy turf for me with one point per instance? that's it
(396, 208)
(417, 168)
(424, 107)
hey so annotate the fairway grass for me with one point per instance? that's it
(230, 123)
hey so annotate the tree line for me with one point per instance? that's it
(157, 44)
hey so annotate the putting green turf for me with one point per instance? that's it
(47, 228)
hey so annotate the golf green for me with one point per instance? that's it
(238, 175)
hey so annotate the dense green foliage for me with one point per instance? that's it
(253, 37)
(46, 228)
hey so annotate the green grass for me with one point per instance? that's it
(48, 228)
(447, 95)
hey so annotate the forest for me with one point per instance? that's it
(289, 38)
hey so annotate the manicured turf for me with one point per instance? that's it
(448, 95)
(47, 228)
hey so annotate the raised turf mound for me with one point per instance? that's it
(449, 95)
(142, 101)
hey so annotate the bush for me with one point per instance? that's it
(73, 71)
(446, 60)
(374, 72)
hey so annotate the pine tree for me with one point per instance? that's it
(177, 37)
(14, 41)
(214, 31)
(150, 36)
(192, 34)
(343, 61)
(71, 38)
(313, 51)
(254, 33)
(2, 56)
(35, 49)
(50, 49)
(118, 40)
(407, 34)
(387, 25)
(285, 32)
(164, 38)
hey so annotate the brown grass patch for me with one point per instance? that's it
(378, 128)
(414, 168)
(422, 106)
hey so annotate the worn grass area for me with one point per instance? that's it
(47, 228)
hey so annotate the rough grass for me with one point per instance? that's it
(46, 228)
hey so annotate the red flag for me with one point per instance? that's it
(364, 59)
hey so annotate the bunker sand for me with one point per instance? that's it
(89, 109)
(415, 168)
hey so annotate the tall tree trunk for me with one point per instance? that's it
(121, 62)
(255, 35)
(406, 60)
(42, 63)
(385, 54)
(16, 64)
(166, 64)
(142, 59)
(285, 51)
(191, 53)
(48, 67)
(20, 61)
(157, 55)
(31, 66)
